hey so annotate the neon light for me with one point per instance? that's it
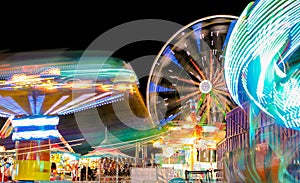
(158, 88)
(39, 102)
(63, 98)
(54, 76)
(168, 53)
(5, 114)
(36, 103)
(10, 104)
(32, 105)
(164, 121)
(262, 59)
(35, 128)
(231, 26)
(91, 100)
(36, 121)
(77, 100)
(104, 101)
(35, 135)
(50, 72)
(197, 32)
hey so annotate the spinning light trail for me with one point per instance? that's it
(262, 58)
(37, 87)
(262, 63)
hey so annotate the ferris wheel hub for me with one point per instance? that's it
(205, 86)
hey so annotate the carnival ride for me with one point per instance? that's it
(268, 70)
(262, 60)
(188, 93)
(186, 89)
(38, 88)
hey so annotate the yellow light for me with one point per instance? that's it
(188, 118)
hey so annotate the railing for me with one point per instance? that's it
(203, 176)
(108, 179)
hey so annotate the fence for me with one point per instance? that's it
(273, 145)
(203, 176)
(147, 175)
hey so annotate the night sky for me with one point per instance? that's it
(60, 27)
(57, 27)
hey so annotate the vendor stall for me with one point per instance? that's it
(64, 164)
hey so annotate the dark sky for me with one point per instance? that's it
(56, 27)
(67, 27)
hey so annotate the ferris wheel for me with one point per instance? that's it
(186, 83)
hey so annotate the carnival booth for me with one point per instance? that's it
(6, 164)
(64, 164)
(106, 165)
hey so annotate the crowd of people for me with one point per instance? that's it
(107, 168)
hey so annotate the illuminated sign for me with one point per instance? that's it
(35, 128)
